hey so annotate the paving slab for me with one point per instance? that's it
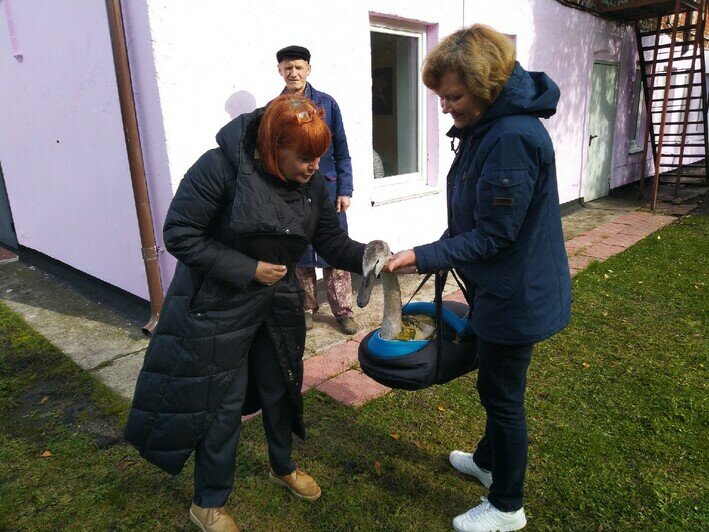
(353, 388)
(122, 373)
(331, 363)
(91, 334)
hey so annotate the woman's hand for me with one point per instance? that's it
(402, 262)
(267, 273)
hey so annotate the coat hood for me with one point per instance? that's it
(525, 93)
(239, 136)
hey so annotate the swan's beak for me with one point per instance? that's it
(365, 289)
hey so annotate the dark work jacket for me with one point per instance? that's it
(226, 215)
(335, 165)
(504, 224)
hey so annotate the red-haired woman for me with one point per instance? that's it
(232, 331)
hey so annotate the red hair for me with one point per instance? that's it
(294, 123)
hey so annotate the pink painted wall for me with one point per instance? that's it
(564, 43)
(61, 141)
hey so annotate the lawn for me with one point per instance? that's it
(617, 408)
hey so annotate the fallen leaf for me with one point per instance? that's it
(606, 276)
(44, 399)
(395, 436)
(46, 454)
(378, 468)
(419, 445)
(585, 365)
(441, 408)
(605, 313)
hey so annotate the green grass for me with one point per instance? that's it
(617, 408)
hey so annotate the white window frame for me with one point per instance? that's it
(414, 179)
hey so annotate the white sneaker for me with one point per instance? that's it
(486, 518)
(464, 463)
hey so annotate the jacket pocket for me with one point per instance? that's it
(501, 191)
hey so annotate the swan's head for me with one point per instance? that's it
(376, 253)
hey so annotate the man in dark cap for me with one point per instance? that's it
(336, 166)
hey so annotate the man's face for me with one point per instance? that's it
(294, 72)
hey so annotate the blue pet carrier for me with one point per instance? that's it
(417, 364)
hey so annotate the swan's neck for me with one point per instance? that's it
(391, 322)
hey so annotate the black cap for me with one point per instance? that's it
(293, 52)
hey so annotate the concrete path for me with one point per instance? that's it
(111, 346)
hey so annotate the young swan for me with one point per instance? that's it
(417, 327)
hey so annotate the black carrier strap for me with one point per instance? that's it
(438, 302)
(440, 283)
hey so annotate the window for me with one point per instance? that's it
(637, 127)
(398, 105)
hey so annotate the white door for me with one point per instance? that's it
(604, 88)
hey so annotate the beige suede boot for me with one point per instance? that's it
(212, 519)
(299, 483)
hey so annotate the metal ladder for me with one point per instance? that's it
(673, 72)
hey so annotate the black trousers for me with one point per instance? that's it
(215, 454)
(502, 380)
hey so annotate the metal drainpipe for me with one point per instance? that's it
(135, 160)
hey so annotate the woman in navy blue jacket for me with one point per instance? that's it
(504, 237)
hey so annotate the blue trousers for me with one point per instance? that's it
(502, 380)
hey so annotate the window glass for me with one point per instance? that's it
(396, 102)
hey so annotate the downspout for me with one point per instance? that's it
(135, 161)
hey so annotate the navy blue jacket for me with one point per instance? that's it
(504, 223)
(335, 165)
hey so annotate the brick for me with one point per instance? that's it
(360, 336)
(602, 251)
(244, 419)
(7, 256)
(334, 361)
(353, 388)
(623, 240)
(583, 241)
(579, 262)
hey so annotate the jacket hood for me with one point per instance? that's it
(239, 136)
(525, 93)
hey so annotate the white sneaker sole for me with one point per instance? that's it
(505, 528)
(196, 521)
(273, 478)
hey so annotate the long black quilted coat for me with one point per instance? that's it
(226, 215)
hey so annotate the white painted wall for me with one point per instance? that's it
(61, 141)
(208, 55)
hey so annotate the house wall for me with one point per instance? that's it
(196, 65)
(61, 140)
(215, 60)
(564, 43)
